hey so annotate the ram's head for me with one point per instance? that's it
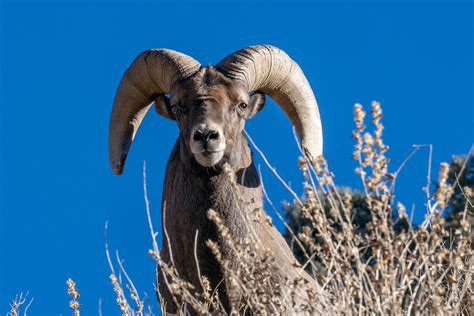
(211, 104)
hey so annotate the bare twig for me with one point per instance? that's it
(273, 170)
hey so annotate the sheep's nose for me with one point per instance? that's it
(206, 136)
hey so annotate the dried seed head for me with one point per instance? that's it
(73, 292)
(359, 115)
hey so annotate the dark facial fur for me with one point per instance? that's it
(210, 111)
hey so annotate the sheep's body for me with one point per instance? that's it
(210, 106)
(187, 197)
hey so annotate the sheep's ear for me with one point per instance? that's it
(256, 103)
(163, 106)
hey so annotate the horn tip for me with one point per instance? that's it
(117, 167)
(117, 170)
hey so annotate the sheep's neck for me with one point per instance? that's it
(187, 198)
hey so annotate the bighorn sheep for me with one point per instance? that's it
(210, 106)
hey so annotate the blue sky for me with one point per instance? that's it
(60, 63)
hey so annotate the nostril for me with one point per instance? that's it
(206, 136)
(213, 135)
(199, 136)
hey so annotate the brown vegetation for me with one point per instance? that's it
(384, 268)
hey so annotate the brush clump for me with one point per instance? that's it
(370, 262)
(361, 248)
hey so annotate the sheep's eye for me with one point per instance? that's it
(174, 109)
(242, 106)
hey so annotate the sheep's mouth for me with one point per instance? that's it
(210, 152)
(209, 158)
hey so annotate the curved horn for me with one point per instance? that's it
(270, 70)
(151, 74)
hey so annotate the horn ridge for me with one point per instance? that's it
(152, 73)
(269, 69)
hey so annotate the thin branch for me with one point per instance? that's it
(100, 307)
(129, 280)
(428, 176)
(273, 170)
(402, 165)
(197, 260)
(28, 306)
(148, 213)
(107, 253)
(277, 212)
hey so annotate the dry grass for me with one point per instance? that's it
(381, 269)
(388, 267)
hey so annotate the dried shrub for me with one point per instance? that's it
(360, 247)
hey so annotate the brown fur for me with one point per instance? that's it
(190, 190)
